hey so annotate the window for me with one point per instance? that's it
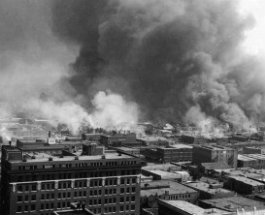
(33, 197)
(121, 208)
(33, 207)
(34, 187)
(19, 198)
(19, 188)
(19, 208)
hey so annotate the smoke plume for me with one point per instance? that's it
(167, 56)
(157, 60)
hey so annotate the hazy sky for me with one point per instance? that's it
(254, 42)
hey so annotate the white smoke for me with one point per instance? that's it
(110, 111)
(206, 125)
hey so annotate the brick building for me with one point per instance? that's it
(256, 161)
(224, 156)
(40, 183)
(243, 185)
(174, 153)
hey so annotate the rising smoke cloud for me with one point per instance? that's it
(157, 58)
(172, 55)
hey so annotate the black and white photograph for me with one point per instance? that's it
(132, 107)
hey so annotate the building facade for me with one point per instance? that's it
(40, 183)
(175, 153)
(224, 156)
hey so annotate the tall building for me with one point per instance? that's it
(224, 156)
(40, 183)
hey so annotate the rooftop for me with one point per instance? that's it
(256, 156)
(246, 180)
(214, 147)
(165, 174)
(202, 186)
(34, 157)
(188, 207)
(245, 158)
(234, 203)
(180, 146)
(162, 187)
(123, 148)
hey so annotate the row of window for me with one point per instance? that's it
(26, 198)
(107, 209)
(179, 197)
(94, 192)
(54, 176)
(77, 184)
(71, 165)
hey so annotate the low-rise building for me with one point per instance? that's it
(178, 207)
(256, 161)
(243, 185)
(209, 191)
(246, 161)
(135, 151)
(233, 204)
(172, 153)
(165, 189)
(212, 153)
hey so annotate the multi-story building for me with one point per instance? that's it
(244, 185)
(40, 183)
(174, 153)
(121, 139)
(224, 156)
(209, 191)
(256, 161)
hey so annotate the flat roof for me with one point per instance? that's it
(202, 186)
(214, 147)
(234, 203)
(256, 156)
(126, 148)
(245, 158)
(164, 174)
(183, 205)
(246, 180)
(181, 145)
(44, 157)
(162, 186)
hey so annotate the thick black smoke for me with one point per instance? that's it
(168, 56)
